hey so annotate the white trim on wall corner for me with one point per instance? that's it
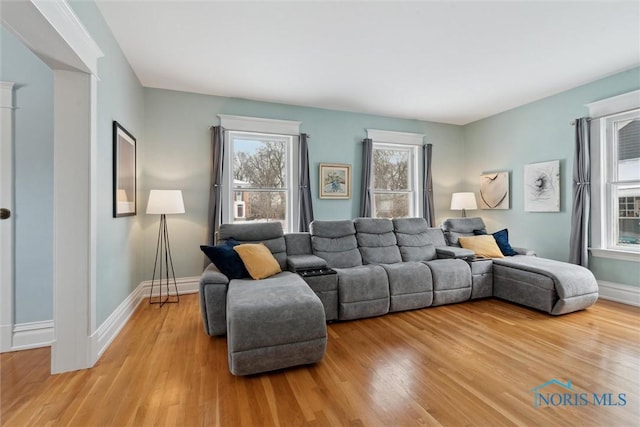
(31, 335)
(617, 292)
(110, 328)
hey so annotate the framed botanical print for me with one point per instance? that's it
(335, 181)
(124, 172)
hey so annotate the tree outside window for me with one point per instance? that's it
(260, 172)
(393, 187)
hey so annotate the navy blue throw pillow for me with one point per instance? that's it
(502, 239)
(226, 259)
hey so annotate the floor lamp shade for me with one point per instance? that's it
(165, 202)
(463, 201)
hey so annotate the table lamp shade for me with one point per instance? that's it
(165, 202)
(461, 201)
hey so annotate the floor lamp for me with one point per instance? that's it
(164, 202)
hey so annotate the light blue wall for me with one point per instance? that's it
(33, 168)
(120, 98)
(538, 132)
(177, 155)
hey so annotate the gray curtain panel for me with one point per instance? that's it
(306, 207)
(578, 241)
(367, 161)
(215, 189)
(427, 186)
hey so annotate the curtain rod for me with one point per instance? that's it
(573, 122)
(308, 136)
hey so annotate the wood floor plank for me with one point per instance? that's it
(466, 364)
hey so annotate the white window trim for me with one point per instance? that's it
(609, 106)
(284, 128)
(392, 137)
(259, 125)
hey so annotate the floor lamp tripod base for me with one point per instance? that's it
(163, 265)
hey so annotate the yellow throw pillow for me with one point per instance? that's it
(258, 260)
(484, 246)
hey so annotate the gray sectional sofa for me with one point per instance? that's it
(351, 269)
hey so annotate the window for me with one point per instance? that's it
(260, 178)
(394, 180)
(395, 174)
(622, 175)
(615, 177)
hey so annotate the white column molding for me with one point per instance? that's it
(71, 348)
(52, 31)
(6, 226)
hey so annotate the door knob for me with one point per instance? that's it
(5, 213)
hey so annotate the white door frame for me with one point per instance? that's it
(7, 225)
(54, 33)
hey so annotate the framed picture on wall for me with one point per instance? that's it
(542, 187)
(494, 190)
(335, 181)
(124, 172)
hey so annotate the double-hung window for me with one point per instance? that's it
(394, 174)
(622, 132)
(615, 177)
(260, 179)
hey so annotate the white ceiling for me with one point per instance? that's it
(452, 62)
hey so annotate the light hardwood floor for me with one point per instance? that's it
(466, 364)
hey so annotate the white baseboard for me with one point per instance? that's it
(617, 292)
(185, 285)
(32, 335)
(109, 330)
(25, 336)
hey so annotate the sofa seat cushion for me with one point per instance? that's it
(410, 285)
(565, 287)
(451, 280)
(362, 291)
(273, 323)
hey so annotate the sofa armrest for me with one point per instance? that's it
(454, 252)
(213, 276)
(524, 251)
(301, 262)
(213, 300)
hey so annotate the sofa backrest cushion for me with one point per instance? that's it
(269, 233)
(376, 241)
(461, 227)
(335, 242)
(415, 239)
